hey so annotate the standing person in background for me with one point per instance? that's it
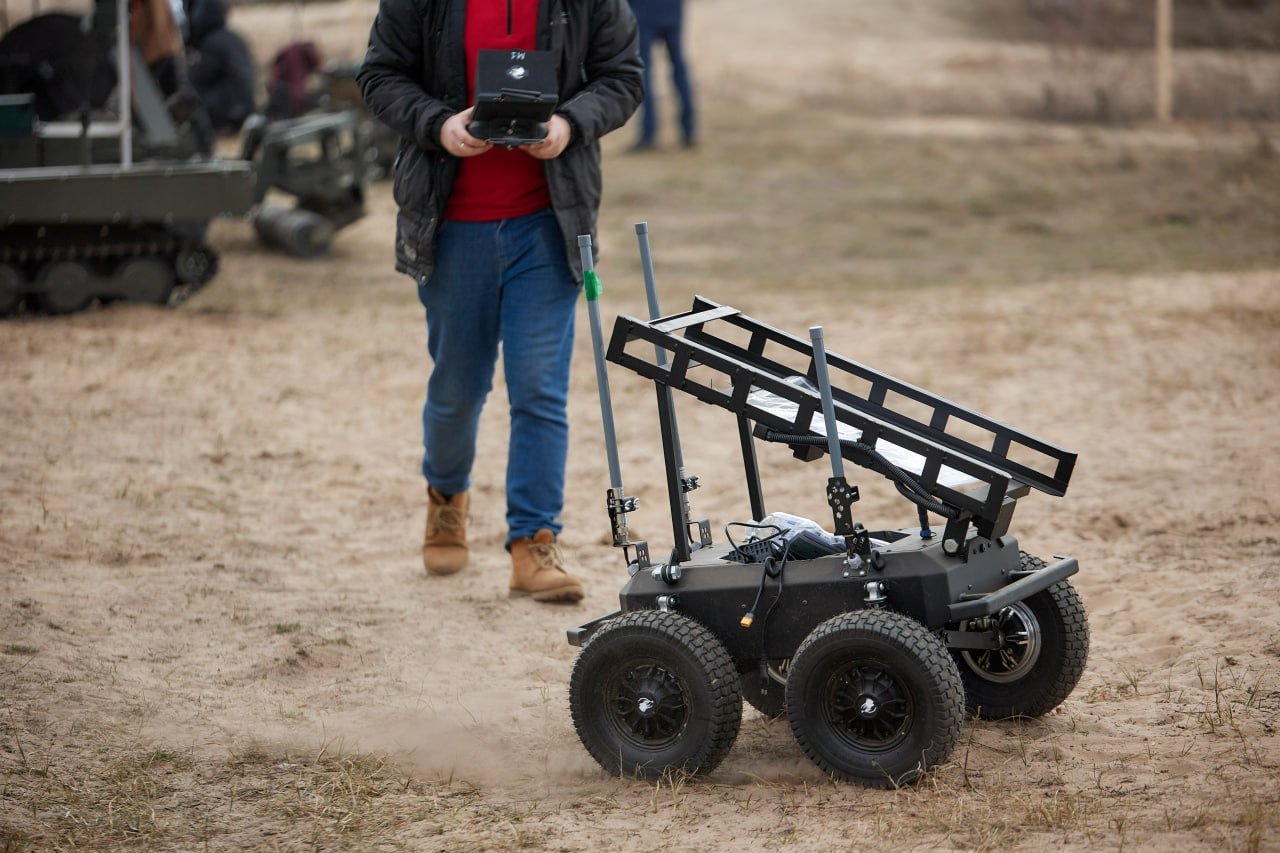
(662, 20)
(490, 236)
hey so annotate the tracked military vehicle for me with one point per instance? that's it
(80, 218)
(116, 204)
(71, 234)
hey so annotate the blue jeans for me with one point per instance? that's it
(670, 36)
(505, 282)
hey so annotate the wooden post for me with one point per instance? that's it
(1164, 61)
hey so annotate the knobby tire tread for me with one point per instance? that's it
(1075, 653)
(944, 678)
(726, 700)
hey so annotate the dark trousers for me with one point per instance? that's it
(670, 36)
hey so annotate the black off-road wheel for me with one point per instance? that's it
(655, 692)
(145, 280)
(65, 287)
(11, 287)
(766, 692)
(196, 265)
(1044, 645)
(874, 698)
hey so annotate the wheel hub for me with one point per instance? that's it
(868, 706)
(648, 705)
(1019, 634)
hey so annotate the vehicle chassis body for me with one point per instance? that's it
(889, 641)
(972, 570)
(919, 581)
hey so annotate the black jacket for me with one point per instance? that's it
(221, 66)
(414, 77)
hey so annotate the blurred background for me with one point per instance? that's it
(215, 629)
(878, 143)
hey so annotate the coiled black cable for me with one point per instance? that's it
(774, 566)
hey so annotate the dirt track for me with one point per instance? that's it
(216, 628)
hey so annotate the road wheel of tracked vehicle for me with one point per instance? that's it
(145, 280)
(655, 692)
(65, 287)
(1044, 644)
(766, 692)
(873, 697)
(196, 265)
(10, 289)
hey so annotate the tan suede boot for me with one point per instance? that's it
(537, 569)
(444, 547)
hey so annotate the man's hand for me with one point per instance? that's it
(455, 139)
(558, 133)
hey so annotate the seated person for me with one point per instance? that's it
(221, 67)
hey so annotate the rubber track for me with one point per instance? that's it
(726, 698)
(945, 678)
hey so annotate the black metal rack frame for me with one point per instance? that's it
(1004, 466)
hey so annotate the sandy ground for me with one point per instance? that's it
(217, 632)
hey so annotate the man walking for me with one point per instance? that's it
(489, 235)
